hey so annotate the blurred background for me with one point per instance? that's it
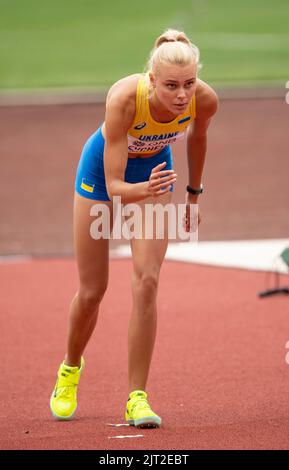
(59, 58)
(90, 43)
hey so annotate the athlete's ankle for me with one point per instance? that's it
(72, 362)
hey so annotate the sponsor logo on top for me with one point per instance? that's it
(140, 126)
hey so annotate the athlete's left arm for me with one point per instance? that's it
(206, 107)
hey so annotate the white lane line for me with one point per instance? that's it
(260, 255)
(257, 255)
(124, 437)
(117, 425)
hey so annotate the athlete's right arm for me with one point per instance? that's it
(118, 119)
(120, 110)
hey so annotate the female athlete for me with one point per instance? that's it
(129, 156)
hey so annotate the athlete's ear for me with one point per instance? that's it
(152, 79)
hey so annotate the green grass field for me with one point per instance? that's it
(91, 43)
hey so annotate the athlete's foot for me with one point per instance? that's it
(139, 413)
(63, 401)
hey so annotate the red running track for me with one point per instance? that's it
(219, 378)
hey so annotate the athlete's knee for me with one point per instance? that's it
(146, 283)
(90, 299)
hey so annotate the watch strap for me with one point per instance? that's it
(195, 191)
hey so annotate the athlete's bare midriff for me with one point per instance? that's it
(130, 155)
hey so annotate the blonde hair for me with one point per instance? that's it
(173, 47)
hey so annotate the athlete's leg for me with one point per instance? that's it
(148, 255)
(92, 257)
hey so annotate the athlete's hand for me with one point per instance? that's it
(191, 224)
(160, 180)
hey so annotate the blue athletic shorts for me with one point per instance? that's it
(90, 177)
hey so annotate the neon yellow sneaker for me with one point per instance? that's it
(139, 413)
(63, 401)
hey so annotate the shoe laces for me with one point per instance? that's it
(140, 403)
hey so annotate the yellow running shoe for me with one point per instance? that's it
(63, 401)
(139, 413)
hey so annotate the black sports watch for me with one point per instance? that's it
(195, 191)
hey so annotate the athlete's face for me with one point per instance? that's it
(175, 85)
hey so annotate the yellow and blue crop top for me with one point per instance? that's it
(149, 136)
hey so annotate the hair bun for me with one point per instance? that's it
(180, 54)
(172, 35)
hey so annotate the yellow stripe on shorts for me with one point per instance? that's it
(86, 187)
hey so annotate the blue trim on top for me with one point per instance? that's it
(184, 120)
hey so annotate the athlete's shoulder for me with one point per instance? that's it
(123, 92)
(206, 99)
(121, 103)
